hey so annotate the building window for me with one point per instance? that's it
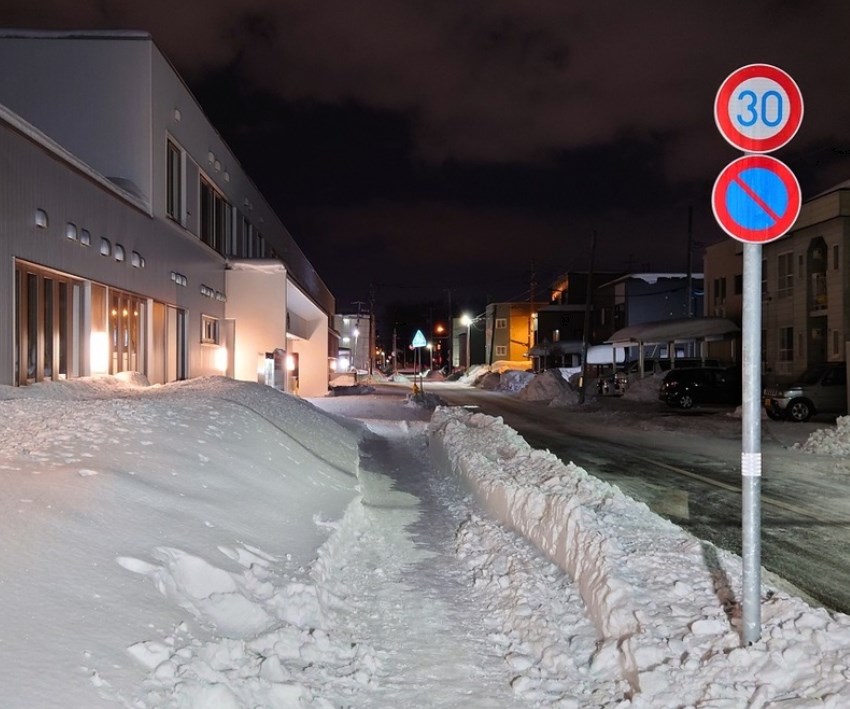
(786, 344)
(719, 291)
(501, 323)
(174, 183)
(820, 300)
(216, 218)
(501, 350)
(785, 275)
(209, 330)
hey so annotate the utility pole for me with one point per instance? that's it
(530, 310)
(372, 329)
(587, 314)
(690, 292)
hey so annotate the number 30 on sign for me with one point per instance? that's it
(758, 108)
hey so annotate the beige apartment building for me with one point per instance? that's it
(805, 278)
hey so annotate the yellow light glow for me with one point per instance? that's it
(99, 354)
(290, 363)
(220, 359)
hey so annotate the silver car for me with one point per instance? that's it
(821, 389)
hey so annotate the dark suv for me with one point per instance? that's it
(701, 385)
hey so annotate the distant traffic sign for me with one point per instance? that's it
(756, 198)
(419, 339)
(758, 108)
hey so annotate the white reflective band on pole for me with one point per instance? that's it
(751, 465)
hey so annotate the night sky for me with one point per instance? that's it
(417, 147)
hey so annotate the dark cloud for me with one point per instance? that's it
(461, 133)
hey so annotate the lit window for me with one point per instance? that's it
(119, 252)
(105, 247)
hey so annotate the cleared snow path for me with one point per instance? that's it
(514, 631)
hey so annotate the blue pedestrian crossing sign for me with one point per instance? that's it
(756, 199)
(419, 339)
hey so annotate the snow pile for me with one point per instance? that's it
(158, 546)
(490, 381)
(474, 374)
(829, 441)
(645, 389)
(515, 381)
(545, 386)
(665, 604)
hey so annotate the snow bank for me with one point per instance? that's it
(664, 603)
(545, 387)
(645, 389)
(829, 441)
(515, 381)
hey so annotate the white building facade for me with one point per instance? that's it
(132, 239)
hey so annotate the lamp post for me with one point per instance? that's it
(465, 319)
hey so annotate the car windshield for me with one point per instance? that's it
(812, 375)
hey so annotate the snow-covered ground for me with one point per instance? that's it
(220, 544)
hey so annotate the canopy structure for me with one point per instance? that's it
(682, 330)
(670, 332)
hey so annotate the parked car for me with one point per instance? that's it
(821, 389)
(688, 387)
(631, 370)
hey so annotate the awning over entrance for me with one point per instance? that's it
(683, 330)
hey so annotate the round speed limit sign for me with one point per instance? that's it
(758, 108)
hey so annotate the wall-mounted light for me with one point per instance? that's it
(217, 165)
(136, 259)
(105, 246)
(226, 176)
(41, 219)
(85, 237)
(71, 231)
(119, 252)
(177, 115)
(220, 359)
(210, 157)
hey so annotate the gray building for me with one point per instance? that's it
(133, 239)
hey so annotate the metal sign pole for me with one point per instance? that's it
(751, 445)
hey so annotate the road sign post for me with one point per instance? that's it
(418, 343)
(756, 199)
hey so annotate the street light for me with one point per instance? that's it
(466, 319)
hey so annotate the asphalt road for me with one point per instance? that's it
(805, 523)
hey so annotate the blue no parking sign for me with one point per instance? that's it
(756, 198)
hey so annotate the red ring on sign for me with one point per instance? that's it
(742, 141)
(737, 230)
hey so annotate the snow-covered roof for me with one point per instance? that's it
(679, 330)
(650, 278)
